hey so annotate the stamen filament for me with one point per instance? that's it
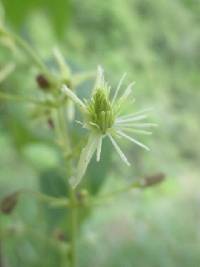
(139, 125)
(73, 96)
(118, 149)
(118, 87)
(136, 113)
(99, 145)
(132, 140)
(134, 118)
(132, 130)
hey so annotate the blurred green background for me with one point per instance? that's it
(158, 44)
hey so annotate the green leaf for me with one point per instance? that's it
(17, 11)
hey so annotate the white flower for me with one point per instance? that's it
(101, 118)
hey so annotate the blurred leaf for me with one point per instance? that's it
(41, 156)
(52, 183)
(17, 11)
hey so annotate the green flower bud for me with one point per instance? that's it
(100, 111)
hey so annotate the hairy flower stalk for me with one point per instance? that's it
(101, 118)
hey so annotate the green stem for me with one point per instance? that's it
(74, 213)
(29, 51)
(1, 255)
(52, 201)
(66, 146)
(20, 98)
(113, 194)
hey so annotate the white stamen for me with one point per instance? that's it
(136, 113)
(94, 124)
(127, 92)
(100, 78)
(131, 130)
(119, 151)
(118, 87)
(73, 96)
(99, 145)
(139, 125)
(135, 118)
(133, 140)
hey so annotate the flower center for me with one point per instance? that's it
(100, 111)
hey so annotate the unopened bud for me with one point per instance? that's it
(81, 196)
(153, 180)
(59, 235)
(100, 110)
(42, 81)
(8, 204)
(50, 123)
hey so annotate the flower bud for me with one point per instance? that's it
(100, 111)
(153, 180)
(50, 123)
(82, 196)
(8, 204)
(59, 235)
(42, 82)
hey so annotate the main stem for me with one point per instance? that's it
(65, 143)
(73, 228)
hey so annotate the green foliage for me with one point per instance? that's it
(157, 44)
(17, 11)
